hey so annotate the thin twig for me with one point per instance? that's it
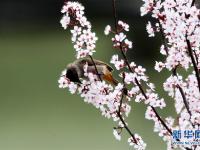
(192, 4)
(193, 62)
(119, 113)
(122, 120)
(115, 14)
(126, 127)
(95, 68)
(182, 93)
(124, 87)
(120, 103)
(184, 100)
(196, 57)
(161, 120)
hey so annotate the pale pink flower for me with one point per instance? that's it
(107, 30)
(124, 25)
(116, 135)
(150, 29)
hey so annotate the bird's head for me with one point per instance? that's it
(72, 74)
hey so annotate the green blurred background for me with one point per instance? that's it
(34, 113)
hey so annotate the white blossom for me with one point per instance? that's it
(140, 145)
(107, 30)
(150, 30)
(116, 135)
(65, 21)
(159, 66)
(128, 43)
(124, 25)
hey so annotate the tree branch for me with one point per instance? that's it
(182, 94)
(193, 1)
(123, 122)
(193, 61)
(174, 72)
(95, 68)
(130, 69)
(153, 108)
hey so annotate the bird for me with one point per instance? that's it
(75, 70)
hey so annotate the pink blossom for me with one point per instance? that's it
(107, 30)
(150, 30)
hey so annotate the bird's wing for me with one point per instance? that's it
(97, 62)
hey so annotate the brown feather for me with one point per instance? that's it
(97, 62)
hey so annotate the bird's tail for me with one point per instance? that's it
(111, 79)
(115, 82)
(108, 77)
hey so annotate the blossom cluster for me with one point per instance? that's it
(134, 77)
(178, 22)
(109, 99)
(120, 39)
(82, 37)
(140, 146)
(102, 95)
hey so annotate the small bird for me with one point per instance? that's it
(75, 70)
